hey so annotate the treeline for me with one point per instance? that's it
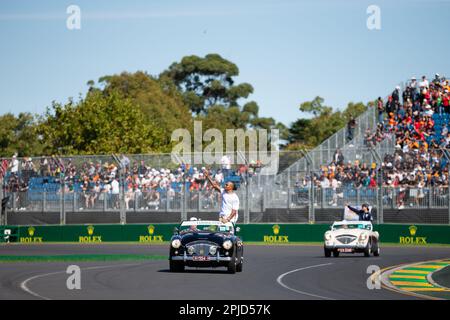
(137, 113)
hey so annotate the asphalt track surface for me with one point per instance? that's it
(270, 272)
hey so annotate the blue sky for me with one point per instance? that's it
(290, 51)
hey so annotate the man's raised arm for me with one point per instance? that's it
(213, 184)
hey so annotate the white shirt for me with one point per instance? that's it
(334, 184)
(115, 187)
(226, 162)
(230, 201)
(218, 177)
(325, 183)
(424, 84)
(15, 166)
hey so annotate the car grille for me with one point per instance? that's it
(201, 249)
(346, 239)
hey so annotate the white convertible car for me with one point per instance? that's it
(351, 237)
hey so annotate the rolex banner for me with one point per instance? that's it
(142, 233)
(270, 234)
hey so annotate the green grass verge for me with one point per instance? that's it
(80, 258)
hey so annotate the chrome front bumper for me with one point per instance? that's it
(190, 258)
(345, 246)
(185, 257)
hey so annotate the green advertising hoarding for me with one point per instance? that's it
(263, 233)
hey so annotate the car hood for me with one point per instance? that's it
(215, 237)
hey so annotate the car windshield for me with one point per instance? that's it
(352, 226)
(188, 226)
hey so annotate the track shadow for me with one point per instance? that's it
(205, 271)
(348, 256)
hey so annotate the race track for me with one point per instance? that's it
(270, 272)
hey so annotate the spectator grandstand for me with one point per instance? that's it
(96, 180)
(419, 125)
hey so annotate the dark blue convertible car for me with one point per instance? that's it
(204, 244)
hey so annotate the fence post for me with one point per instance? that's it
(263, 202)
(288, 198)
(323, 197)
(44, 203)
(123, 216)
(289, 188)
(167, 201)
(380, 193)
(2, 214)
(381, 208)
(62, 205)
(247, 202)
(430, 196)
(183, 201)
(448, 205)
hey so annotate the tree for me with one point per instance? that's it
(159, 100)
(208, 88)
(206, 82)
(19, 135)
(99, 124)
(310, 132)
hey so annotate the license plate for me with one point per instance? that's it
(345, 250)
(200, 258)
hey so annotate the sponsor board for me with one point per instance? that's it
(151, 237)
(412, 237)
(91, 237)
(31, 236)
(276, 237)
(415, 235)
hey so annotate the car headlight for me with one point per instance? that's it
(328, 236)
(363, 236)
(176, 243)
(190, 250)
(212, 250)
(227, 245)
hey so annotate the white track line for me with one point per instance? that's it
(24, 284)
(298, 291)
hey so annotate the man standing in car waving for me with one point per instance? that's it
(230, 200)
(364, 214)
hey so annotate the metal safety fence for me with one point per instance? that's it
(191, 203)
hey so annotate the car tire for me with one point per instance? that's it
(232, 266)
(327, 252)
(335, 253)
(376, 252)
(239, 266)
(176, 266)
(368, 249)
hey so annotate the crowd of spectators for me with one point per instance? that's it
(418, 161)
(144, 186)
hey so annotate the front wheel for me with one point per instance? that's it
(376, 251)
(368, 249)
(239, 266)
(327, 252)
(232, 266)
(335, 253)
